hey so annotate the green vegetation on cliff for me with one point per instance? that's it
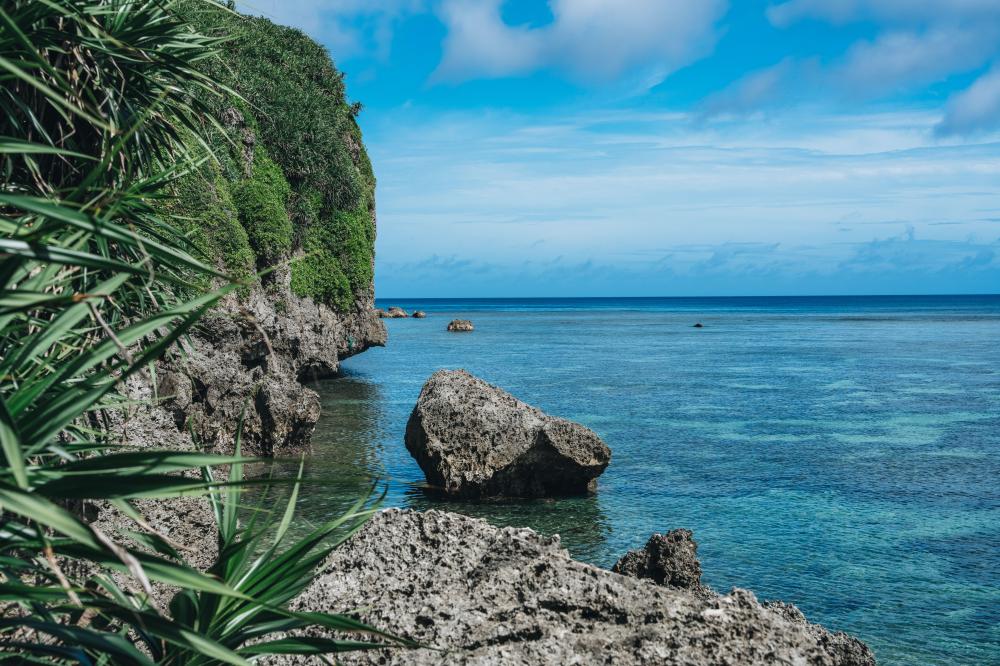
(301, 184)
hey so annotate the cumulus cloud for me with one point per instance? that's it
(591, 40)
(973, 110)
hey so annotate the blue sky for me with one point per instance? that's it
(675, 147)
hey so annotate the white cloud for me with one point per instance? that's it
(591, 40)
(973, 110)
(347, 27)
(629, 190)
(900, 59)
(900, 11)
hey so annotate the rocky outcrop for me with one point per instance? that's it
(460, 326)
(473, 439)
(503, 596)
(255, 353)
(669, 559)
(419, 314)
(396, 313)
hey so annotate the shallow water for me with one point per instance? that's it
(839, 453)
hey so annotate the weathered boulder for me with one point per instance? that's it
(505, 596)
(396, 313)
(669, 559)
(380, 313)
(473, 439)
(419, 314)
(460, 326)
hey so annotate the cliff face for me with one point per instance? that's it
(284, 188)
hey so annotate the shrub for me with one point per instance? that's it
(261, 201)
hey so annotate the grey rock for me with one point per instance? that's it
(396, 313)
(845, 649)
(506, 596)
(669, 559)
(255, 353)
(419, 314)
(381, 313)
(473, 439)
(460, 326)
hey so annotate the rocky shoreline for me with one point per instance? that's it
(479, 594)
(475, 593)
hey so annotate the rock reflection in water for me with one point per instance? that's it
(579, 521)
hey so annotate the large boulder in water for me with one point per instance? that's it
(473, 439)
(481, 595)
(669, 559)
(460, 326)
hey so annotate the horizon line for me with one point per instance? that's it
(528, 298)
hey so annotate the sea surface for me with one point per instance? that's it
(839, 453)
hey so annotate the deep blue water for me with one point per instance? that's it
(839, 453)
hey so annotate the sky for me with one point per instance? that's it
(674, 147)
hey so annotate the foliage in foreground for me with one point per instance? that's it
(99, 100)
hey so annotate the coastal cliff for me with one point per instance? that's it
(283, 198)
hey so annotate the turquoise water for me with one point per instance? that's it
(839, 453)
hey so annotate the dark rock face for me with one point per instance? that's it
(486, 595)
(460, 326)
(419, 314)
(669, 559)
(473, 439)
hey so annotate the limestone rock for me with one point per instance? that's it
(460, 326)
(669, 559)
(473, 439)
(508, 596)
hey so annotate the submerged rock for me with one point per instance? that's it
(460, 326)
(419, 314)
(669, 559)
(699, 325)
(473, 439)
(487, 595)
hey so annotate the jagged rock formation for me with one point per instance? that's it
(487, 595)
(669, 559)
(460, 326)
(473, 439)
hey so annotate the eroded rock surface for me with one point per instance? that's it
(505, 596)
(460, 326)
(257, 353)
(473, 439)
(669, 559)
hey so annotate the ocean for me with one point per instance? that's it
(838, 453)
